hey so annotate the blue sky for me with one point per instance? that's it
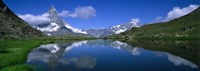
(107, 12)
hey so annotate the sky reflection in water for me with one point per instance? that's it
(99, 55)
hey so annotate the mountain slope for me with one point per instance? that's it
(11, 26)
(187, 26)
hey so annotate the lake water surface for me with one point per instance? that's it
(107, 55)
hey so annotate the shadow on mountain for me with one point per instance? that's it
(11, 26)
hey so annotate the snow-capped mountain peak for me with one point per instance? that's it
(57, 26)
(124, 27)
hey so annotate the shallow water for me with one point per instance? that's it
(107, 55)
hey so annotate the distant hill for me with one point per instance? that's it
(11, 26)
(187, 26)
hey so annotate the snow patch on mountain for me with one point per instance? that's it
(50, 28)
(115, 26)
(135, 22)
(124, 27)
(120, 31)
(75, 30)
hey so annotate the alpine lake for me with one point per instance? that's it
(111, 55)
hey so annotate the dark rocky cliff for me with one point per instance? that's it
(11, 26)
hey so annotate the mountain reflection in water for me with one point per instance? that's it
(95, 55)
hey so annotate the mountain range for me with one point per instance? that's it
(11, 26)
(58, 27)
(114, 29)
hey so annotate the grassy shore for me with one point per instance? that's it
(13, 53)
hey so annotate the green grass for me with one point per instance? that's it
(14, 52)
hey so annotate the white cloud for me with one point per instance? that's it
(176, 13)
(80, 12)
(35, 19)
(64, 13)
